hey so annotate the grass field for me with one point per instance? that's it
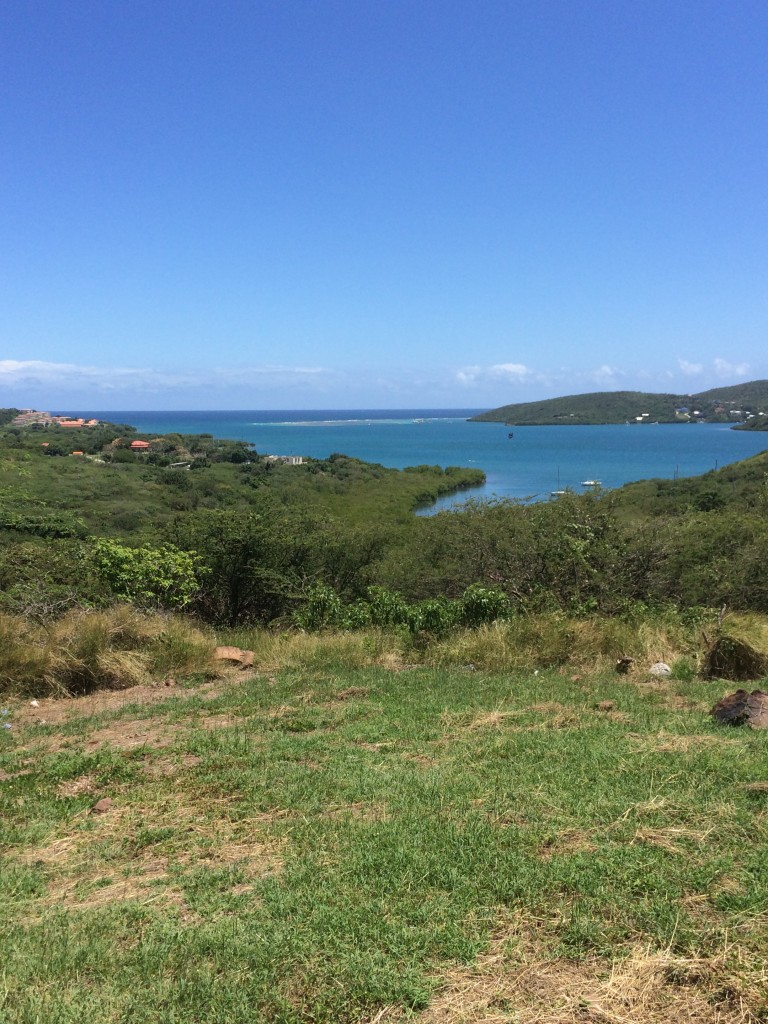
(374, 844)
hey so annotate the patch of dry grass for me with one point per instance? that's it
(100, 859)
(89, 650)
(546, 641)
(512, 982)
(683, 743)
(275, 651)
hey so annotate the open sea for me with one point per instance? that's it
(528, 465)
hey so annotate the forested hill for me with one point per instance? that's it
(754, 423)
(730, 404)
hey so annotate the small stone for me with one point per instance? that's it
(34, 703)
(660, 669)
(103, 806)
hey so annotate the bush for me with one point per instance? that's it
(322, 608)
(481, 605)
(150, 577)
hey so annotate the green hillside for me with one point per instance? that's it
(722, 405)
(754, 423)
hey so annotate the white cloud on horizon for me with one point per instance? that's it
(517, 371)
(690, 369)
(605, 374)
(34, 373)
(725, 369)
(39, 382)
(508, 372)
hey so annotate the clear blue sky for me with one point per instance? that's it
(345, 203)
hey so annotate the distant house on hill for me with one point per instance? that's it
(139, 446)
(287, 460)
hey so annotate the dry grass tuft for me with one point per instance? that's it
(350, 692)
(103, 860)
(91, 650)
(739, 651)
(665, 838)
(512, 982)
(275, 651)
(673, 743)
(491, 719)
(359, 811)
(547, 641)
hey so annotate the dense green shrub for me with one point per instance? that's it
(147, 576)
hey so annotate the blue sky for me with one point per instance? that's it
(342, 203)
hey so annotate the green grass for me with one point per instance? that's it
(336, 844)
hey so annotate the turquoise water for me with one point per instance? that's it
(529, 465)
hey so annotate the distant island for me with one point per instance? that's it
(740, 404)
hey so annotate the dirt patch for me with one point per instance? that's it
(83, 786)
(512, 982)
(130, 735)
(350, 693)
(566, 844)
(59, 710)
(9, 776)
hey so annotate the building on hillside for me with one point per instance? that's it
(139, 446)
(286, 460)
(33, 417)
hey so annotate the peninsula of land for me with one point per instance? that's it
(738, 404)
